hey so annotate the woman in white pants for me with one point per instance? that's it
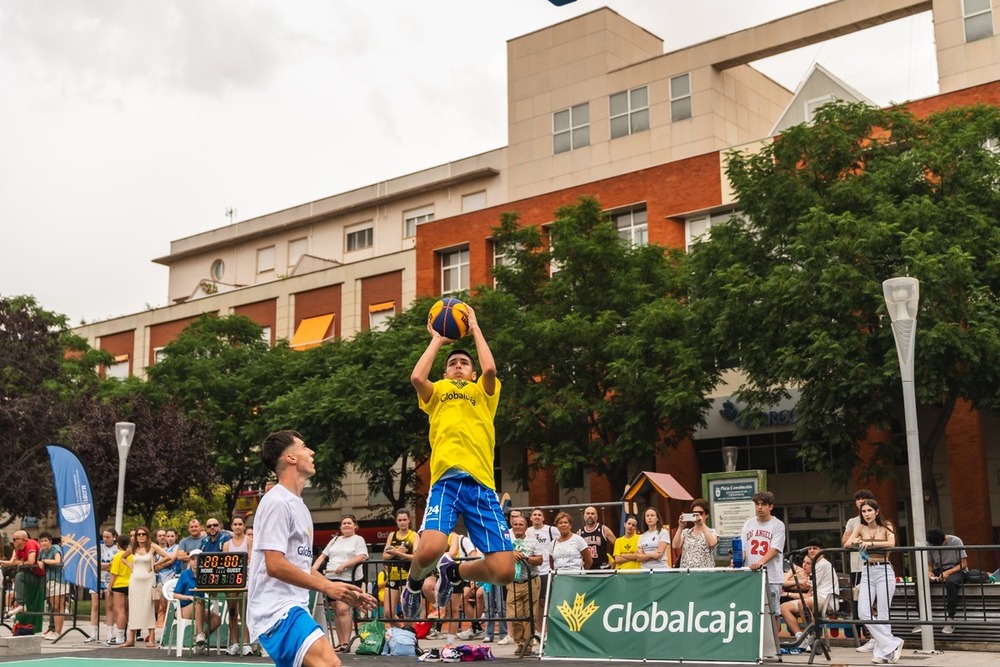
(878, 581)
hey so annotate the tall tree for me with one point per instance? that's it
(213, 370)
(790, 292)
(353, 402)
(170, 454)
(599, 372)
(44, 370)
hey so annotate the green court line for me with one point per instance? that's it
(74, 661)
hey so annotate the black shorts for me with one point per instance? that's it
(395, 584)
(121, 589)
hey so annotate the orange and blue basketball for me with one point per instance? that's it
(450, 318)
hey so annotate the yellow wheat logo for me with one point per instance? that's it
(577, 615)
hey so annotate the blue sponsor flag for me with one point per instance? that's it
(77, 523)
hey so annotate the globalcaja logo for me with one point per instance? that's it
(579, 613)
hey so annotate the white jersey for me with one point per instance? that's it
(758, 539)
(546, 537)
(282, 523)
(649, 543)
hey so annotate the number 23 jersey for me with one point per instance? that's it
(758, 538)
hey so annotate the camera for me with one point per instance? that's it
(687, 517)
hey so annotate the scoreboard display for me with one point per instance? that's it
(222, 570)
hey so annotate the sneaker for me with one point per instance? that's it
(434, 634)
(200, 640)
(14, 611)
(247, 649)
(449, 654)
(444, 586)
(234, 649)
(916, 630)
(469, 634)
(948, 629)
(487, 640)
(433, 655)
(879, 661)
(897, 654)
(90, 640)
(506, 640)
(114, 642)
(409, 602)
(866, 648)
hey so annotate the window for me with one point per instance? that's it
(700, 226)
(474, 201)
(813, 105)
(218, 269)
(379, 314)
(265, 259)
(296, 248)
(312, 332)
(415, 217)
(455, 271)
(499, 258)
(632, 226)
(265, 334)
(119, 369)
(680, 97)
(978, 19)
(159, 354)
(361, 237)
(571, 128)
(629, 112)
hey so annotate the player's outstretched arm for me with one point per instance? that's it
(487, 365)
(280, 568)
(419, 378)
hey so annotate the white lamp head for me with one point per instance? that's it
(123, 435)
(902, 295)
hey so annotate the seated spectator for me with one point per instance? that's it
(947, 566)
(826, 588)
(796, 580)
(184, 592)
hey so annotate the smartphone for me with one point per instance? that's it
(687, 517)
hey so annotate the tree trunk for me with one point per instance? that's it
(932, 499)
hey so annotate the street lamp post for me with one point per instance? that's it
(123, 436)
(902, 296)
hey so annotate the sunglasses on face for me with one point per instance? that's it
(213, 525)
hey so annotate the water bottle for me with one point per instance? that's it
(863, 553)
(737, 552)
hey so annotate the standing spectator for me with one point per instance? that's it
(860, 496)
(546, 536)
(627, 547)
(240, 543)
(29, 582)
(398, 552)
(599, 538)
(470, 595)
(166, 569)
(949, 567)
(343, 556)
(108, 550)
(569, 552)
(763, 542)
(121, 572)
(195, 540)
(141, 610)
(878, 581)
(653, 543)
(696, 540)
(216, 537)
(56, 588)
(524, 589)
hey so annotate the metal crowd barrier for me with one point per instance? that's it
(372, 566)
(977, 613)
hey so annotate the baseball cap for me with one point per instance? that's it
(194, 552)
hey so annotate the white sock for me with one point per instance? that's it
(450, 639)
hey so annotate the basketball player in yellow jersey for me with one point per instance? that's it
(460, 408)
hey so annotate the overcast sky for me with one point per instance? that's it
(126, 124)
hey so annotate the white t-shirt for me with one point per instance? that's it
(546, 536)
(758, 539)
(826, 580)
(649, 543)
(340, 550)
(852, 523)
(566, 555)
(282, 523)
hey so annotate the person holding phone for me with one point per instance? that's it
(695, 538)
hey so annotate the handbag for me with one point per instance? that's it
(372, 635)
(157, 593)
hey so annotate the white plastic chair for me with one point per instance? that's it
(180, 624)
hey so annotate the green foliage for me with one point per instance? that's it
(791, 292)
(222, 372)
(597, 367)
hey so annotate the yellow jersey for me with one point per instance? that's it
(461, 429)
(627, 545)
(120, 572)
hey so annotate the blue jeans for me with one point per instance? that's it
(495, 609)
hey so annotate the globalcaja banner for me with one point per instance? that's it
(77, 523)
(712, 616)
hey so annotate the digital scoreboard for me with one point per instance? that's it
(222, 570)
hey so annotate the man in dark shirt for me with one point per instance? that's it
(947, 566)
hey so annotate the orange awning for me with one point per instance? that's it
(379, 307)
(312, 332)
(661, 482)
